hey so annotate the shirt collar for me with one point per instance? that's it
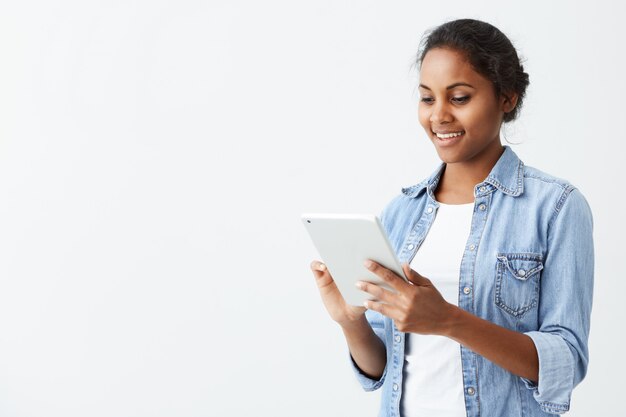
(507, 175)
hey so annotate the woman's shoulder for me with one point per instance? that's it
(409, 196)
(405, 204)
(538, 180)
(560, 191)
(535, 174)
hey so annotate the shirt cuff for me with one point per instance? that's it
(366, 382)
(556, 372)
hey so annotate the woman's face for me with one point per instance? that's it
(458, 108)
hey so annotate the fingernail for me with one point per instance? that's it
(366, 304)
(368, 264)
(359, 284)
(321, 267)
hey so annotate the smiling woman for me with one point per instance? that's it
(496, 319)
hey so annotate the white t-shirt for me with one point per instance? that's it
(433, 380)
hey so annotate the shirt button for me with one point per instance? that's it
(471, 391)
(395, 387)
(397, 338)
(521, 272)
(472, 247)
(467, 290)
(482, 207)
(429, 210)
(410, 247)
(483, 189)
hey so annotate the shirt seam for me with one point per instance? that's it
(559, 205)
(554, 406)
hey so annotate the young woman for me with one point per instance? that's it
(496, 319)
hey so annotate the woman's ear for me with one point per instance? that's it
(508, 102)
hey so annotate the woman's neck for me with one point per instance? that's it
(457, 182)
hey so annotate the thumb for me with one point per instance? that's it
(414, 277)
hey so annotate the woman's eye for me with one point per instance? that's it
(460, 99)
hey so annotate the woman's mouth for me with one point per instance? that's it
(450, 137)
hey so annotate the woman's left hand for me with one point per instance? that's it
(415, 307)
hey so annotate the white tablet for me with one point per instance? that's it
(344, 242)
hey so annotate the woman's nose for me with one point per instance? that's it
(440, 114)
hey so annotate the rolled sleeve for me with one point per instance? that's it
(377, 322)
(556, 373)
(565, 305)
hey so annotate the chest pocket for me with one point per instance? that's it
(517, 282)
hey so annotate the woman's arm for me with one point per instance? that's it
(366, 348)
(509, 349)
(420, 308)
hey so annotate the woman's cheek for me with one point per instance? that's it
(422, 116)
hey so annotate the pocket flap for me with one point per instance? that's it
(521, 266)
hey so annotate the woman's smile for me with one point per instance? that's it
(442, 135)
(448, 138)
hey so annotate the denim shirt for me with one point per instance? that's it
(527, 266)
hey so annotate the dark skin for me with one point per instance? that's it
(455, 99)
(418, 307)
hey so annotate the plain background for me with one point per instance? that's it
(155, 157)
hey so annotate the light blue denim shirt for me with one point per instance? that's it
(527, 266)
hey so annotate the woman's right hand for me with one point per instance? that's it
(339, 310)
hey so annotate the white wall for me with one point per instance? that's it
(155, 157)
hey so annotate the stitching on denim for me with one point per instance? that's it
(415, 190)
(564, 196)
(520, 177)
(501, 268)
(523, 256)
(559, 205)
(520, 182)
(554, 407)
(529, 273)
(556, 181)
(484, 222)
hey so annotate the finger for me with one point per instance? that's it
(414, 277)
(377, 292)
(388, 276)
(322, 276)
(388, 310)
(318, 267)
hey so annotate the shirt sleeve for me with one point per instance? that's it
(565, 304)
(377, 321)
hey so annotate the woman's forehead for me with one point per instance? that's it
(444, 66)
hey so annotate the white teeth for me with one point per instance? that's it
(448, 135)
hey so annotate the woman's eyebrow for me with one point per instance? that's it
(451, 86)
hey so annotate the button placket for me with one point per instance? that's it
(467, 283)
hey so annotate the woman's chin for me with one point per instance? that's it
(449, 156)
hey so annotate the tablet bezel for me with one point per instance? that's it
(344, 242)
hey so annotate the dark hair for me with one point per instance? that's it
(487, 49)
